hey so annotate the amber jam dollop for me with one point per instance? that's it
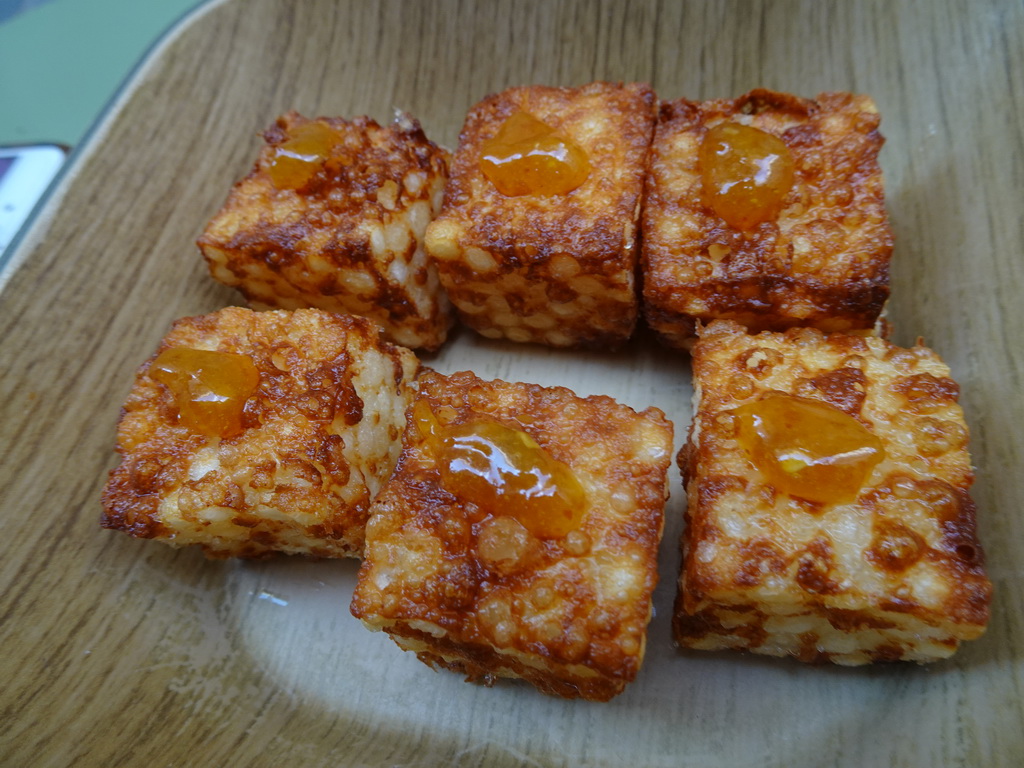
(505, 472)
(296, 161)
(808, 448)
(746, 174)
(527, 157)
(210, 388)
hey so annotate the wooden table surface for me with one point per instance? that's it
(124, 652)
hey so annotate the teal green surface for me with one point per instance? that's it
(62, 62)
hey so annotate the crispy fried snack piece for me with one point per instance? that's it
(333, 216)
(822, 261)
(486, 590)
(894, 573)
(556, 269)
(319, 436)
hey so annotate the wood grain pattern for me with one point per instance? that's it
(121, 652)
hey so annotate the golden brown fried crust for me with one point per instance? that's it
(824, 263)
(904, 558)
(567, 614)
(612, 123)
(301, 475)
(542, 246)
(478, 663)
(369, 157)
(329, 244)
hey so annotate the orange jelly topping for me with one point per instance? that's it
(808, 448)
(527, 157)
(505, 472)
(296, 161)
(209, 388)
(746, 174)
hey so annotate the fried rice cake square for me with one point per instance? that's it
(555, 269)
(475, 565)
(790, 549)
(816, 254)
(320, 404)
(332, 216)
